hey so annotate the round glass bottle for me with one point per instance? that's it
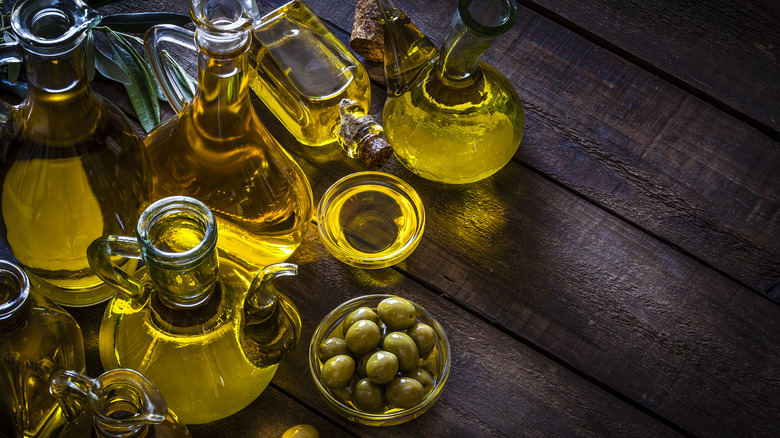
(450, 116)
(118, 404)
(72, 167)
(37, 338)
(219, 152)
(199, 327)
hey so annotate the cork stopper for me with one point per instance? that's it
(362, 137)
(367, 39)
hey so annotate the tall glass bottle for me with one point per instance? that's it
(37, 338)
(71, 165)
(450, 116)
(218, 151)
(118, 404)
(198, 326)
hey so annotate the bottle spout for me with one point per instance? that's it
(271, 325)
(406, 49)
(44, 25)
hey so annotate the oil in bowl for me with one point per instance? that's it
(371, 219)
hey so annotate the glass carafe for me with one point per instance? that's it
(71, 165)
(450, 116)
(219, 152)
(37, 338)
(120, 403)
(306, 78)
(198, 326)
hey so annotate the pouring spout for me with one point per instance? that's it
(406, 49)
(271, 325)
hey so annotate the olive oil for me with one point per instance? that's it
(370, 221)
(194, 357)
(302, 72)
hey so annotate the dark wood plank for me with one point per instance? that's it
(636, 145)
(728, 52)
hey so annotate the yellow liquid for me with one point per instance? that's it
(194, 359)
(301, 71)
(370, 221)
(31, 352)
(61, 194)
(257, 193)
(455, 135)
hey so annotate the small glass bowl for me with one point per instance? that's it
(438, 359)
(370, 219)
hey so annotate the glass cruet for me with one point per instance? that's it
(197, 325)
(72, 167)
(120, 403)
(37, 338)
(218, 151)
(449, 115)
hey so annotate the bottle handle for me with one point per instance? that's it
(9, 53)
(71, 390)
(167, 33)
(100, 253)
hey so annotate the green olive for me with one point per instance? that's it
(404, 392)
(397, 313)
(332, 347)
(424, 377)
(368, 396)
(337, 371)
(382, 367)
(424, 337)
(345, 394)
(362, 361)
(301, 431)
(363, 336)
(404, 348)
(359, 314)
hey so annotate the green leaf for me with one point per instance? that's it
(143, 89)
(110, 69)
(186, 83)
(140, 22)
(89, 57)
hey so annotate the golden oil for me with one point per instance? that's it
(368, 221)
(302, 72)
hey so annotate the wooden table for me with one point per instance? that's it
(620, 276)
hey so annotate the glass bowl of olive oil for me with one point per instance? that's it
(371, 219)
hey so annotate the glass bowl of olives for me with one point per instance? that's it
(379, 360)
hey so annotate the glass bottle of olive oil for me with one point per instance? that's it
(71, 166)
(119, 403)
(198, 326)
(218, 151)
(450, 116)
(37, 339)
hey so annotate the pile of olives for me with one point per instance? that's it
(380, 360)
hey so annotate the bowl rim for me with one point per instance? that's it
(334, 318)
(363, 259)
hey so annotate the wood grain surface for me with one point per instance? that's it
(620, 277)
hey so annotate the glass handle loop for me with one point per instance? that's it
(9, 53)
(100, 253)
(153, 40)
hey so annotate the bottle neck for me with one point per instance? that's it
(222, 107)
(474, 27)
(178, 237)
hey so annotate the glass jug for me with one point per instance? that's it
(199, 327)
(72, 167)
(118, 404)
(37, 338)
(449, 115)
(218, 151)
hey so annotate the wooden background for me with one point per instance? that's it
(620, 276)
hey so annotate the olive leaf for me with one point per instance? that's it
(141, 22)
(186, 83)
(110, 69)
(143, 89)
(89, 57)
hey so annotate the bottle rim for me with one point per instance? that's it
(52, 26)
(18, 278)
(508, 18)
